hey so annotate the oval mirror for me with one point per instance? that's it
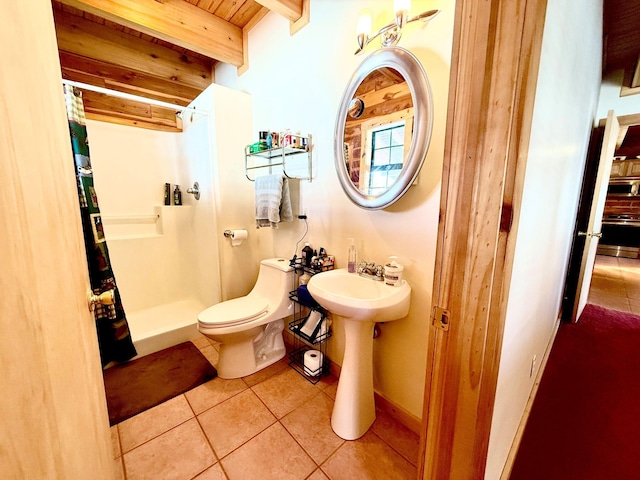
(383, 128)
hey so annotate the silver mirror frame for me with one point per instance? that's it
(410, 68)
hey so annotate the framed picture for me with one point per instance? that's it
(97, 227)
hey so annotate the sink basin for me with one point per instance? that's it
(359, 298)
(360, 302)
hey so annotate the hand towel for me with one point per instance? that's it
(273, 203)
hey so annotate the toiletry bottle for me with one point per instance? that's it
(307, 253)
(269, 140)
(353, 258)
(177, 196)
(167, 194)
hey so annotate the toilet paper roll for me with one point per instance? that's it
(313, 363)
(238, 236)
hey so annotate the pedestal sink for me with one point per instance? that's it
(361, 302)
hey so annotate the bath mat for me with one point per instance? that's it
(145, 382)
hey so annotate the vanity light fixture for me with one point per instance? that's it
(389, 34)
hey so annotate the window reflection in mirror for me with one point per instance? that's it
(377, 141)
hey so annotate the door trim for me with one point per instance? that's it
(494, 71)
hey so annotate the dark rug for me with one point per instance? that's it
(148, 381)
(585, 419)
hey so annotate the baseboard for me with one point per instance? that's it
(396, 412)
(508, 466)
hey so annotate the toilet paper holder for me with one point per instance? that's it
(236, 236)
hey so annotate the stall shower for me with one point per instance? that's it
(165, 257)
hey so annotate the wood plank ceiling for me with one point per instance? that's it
(167, 49)
(160, 49)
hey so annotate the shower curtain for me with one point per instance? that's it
(114, 337)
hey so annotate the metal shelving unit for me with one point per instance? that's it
(281, 157)
(301, 342)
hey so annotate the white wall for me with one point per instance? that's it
(610, 98)
(565, 106)
(297, 82)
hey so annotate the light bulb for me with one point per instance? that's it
(402, 12)
(400, 5)
(364, 23)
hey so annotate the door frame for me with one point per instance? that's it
(569, 301)
(494, 70)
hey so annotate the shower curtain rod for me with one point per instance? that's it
(135, 98)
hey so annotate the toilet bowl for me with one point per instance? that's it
(249, 329)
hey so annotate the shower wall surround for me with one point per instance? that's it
(166, 258)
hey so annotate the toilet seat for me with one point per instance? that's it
(233, 312)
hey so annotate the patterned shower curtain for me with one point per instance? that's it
(114, 337)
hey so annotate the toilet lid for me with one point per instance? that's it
(232, 312)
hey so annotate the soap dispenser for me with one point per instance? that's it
(177, 196)
(393, 272)
(353, 258)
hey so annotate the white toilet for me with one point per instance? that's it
(249, 329)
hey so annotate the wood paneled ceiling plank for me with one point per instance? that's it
(81, 37)
(246, 13)
(227, 10)
(174, 21)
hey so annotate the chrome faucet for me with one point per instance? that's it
(370, 270)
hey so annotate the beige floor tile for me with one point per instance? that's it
(367, 458)
(613, 303)
(606, 260)
(633, 290)
(153, 422)
(115, 442)
(403, 440)
(326, 382)
(310, 425)
(608, 285)
(235, 421)
(284, 391)
(318, 475)
(179, 454)
(213, 392)
(331, 391)
(212, 473)
(119, 468)
(210, 354)
(272, 455)
(267, 372)
(202, 342)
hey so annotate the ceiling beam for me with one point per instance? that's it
(289, 9)
(114, 77)
(174, 21)
(136, 58)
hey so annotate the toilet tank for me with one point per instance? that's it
(275, 279)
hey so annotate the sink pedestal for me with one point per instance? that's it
(354, 409)
(361, 303)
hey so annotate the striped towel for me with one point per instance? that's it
(273, 204)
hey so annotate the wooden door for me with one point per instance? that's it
(53, 408)
(592, 232)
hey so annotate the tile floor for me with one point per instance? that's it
(616, 284)
(270, 425)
